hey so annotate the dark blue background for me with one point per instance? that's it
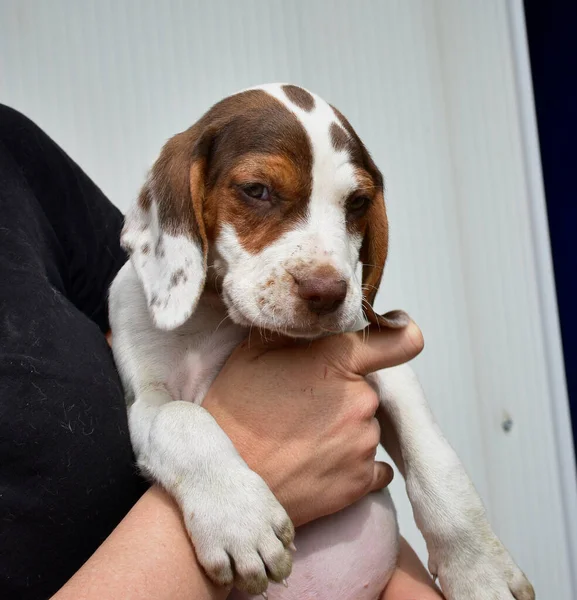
(552, 34)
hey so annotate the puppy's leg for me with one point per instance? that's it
(239, 530)
(465, 554)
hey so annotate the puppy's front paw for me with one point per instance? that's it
(482, 570)
(241, 534)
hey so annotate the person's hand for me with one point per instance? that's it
(302, 415)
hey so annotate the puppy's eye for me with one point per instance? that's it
(358, 204)
(256, 191)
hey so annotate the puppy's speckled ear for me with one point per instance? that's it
(164, 232)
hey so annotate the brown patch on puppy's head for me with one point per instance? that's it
(339, 137)
(300, 97)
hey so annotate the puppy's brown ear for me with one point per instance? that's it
(373, 257)
(164, 231)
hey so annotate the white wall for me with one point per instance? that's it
(433, 89)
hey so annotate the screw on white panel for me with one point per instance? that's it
(507, 422)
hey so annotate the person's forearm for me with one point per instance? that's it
(147, 556)
(410, 579)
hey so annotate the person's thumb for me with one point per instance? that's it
(382, 475)
(385, 347)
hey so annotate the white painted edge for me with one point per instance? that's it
(544, 267)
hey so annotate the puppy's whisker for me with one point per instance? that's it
(273, 317)
(366, 286)
(250, 331)
(218, 326)
(262, 331)
(366, 330)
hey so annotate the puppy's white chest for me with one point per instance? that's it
(202, 347)
(198, 363)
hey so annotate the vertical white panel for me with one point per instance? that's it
(502, 289)
(550, 326)
(430, 88)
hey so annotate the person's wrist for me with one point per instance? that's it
(259, 454)
(237, 432)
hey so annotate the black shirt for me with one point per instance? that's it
(67, 474)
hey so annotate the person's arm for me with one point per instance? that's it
(147, 556)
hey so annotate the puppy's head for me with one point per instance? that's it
(275, 191)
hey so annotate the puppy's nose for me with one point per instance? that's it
(323, 294)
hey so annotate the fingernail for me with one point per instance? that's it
(292, 547)
(285, 583)
(264, 595)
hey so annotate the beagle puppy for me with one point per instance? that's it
(272, 199)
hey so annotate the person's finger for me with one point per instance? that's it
(386, 348)
(382, 475)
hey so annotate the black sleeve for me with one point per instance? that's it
(67, 473)
(85, 224)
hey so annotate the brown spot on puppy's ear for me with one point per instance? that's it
(159, 248)
(300, 97)
(177, 277)
(145, 248)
